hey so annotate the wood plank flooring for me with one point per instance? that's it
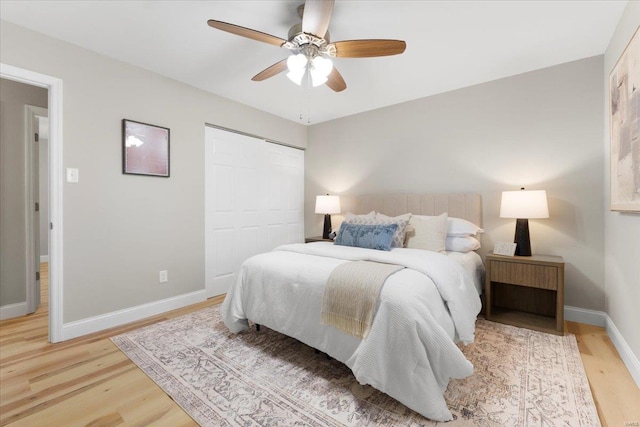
(89, 382)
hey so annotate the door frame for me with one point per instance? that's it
(56, 247)
(31, 112)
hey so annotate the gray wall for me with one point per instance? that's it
(622, 230)
(120, 230)
(541, 130)
(13, 97)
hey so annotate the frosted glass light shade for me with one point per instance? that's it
(524, 204)
(297, 65)
(296, 62)
(296, 76)
(319, 70)
(322, 65)
(327, 204)
(317, 78)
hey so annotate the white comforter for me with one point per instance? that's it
(410, 353)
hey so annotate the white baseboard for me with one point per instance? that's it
(44, 258)
(117, 318)
(629, 359)
(13, 310)
(602, 319)
(583, 315)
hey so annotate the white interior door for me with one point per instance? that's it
(33, 115)
(254, 195)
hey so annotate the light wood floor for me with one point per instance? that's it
(89, 382)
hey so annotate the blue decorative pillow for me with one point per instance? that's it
(378, 236)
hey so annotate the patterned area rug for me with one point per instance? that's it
(521, 378)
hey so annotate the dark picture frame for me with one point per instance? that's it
(145, 149)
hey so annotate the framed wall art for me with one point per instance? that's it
(624, 124)
(145, 149)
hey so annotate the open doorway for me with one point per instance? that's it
(27, 187)
(23, 107)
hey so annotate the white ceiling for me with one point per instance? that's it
(450, 44)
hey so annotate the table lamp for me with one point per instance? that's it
(327, 205)
(524, 205)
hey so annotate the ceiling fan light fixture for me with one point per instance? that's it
(317, 78)
(296, 76)
(297, 63)
(320, 68)
(322, 65)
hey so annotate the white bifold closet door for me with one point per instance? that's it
(254, 201)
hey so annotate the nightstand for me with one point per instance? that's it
(526, 291)
(316, 239)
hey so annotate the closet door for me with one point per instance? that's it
(254, 195)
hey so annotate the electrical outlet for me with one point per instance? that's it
(164, 276)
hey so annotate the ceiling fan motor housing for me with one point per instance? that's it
(308, 44)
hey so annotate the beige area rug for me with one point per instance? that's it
(521, 378)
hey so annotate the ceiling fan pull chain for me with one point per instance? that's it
(308, 98)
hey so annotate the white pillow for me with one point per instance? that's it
(458, 226)
(350, 217)
(462, 227)
(461, 244)
(427, 233)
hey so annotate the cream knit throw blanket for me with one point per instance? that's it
(351, 295)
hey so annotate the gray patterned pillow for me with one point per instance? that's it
(398, 236)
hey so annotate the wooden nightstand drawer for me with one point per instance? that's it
(530, 275)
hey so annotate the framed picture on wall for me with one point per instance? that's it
(624, 125)
(145, 149)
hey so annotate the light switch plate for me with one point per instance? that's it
(73, 175)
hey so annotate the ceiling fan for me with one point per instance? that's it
(311, 47)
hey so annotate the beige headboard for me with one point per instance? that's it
(460, 205)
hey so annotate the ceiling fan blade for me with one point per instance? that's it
(335, 81)
(366, 48)
(271, 71)
(316, 17)
(246, 32)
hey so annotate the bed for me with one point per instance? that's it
(423, 310)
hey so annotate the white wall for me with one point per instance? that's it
(120, 230)
(622, 230)
(13, 262)
(541, 130)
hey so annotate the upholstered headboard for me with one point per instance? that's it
(461, 205)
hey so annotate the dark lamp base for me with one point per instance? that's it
(521, 238)
(327, 226)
